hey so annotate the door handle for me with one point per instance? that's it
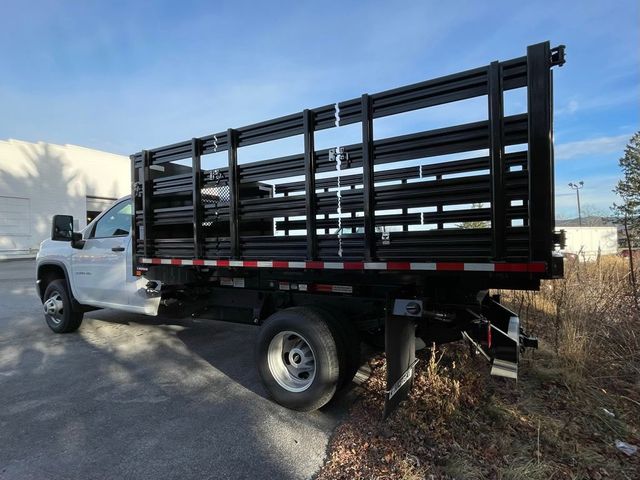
(117, 249)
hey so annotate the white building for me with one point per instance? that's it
(588, 242)
(39, 180)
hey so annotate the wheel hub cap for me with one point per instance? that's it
(53, 308)
(291, 360)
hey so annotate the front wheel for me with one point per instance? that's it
(297, 356)
(58, 309)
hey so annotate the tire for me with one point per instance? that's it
(298, 358)
(349, 345)
(58, 309)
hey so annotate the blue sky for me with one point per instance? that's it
(125, 75)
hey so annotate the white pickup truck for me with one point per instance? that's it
(92, 271)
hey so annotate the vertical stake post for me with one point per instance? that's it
(368, 179)
(198, 212)
(496, 152)
(146, 202)
(234, 193)
(540, 153)
(310, 183)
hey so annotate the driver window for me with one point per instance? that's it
(115, 223)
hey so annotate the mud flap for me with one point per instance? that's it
(400, 347)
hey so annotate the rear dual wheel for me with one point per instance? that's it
(304, 356)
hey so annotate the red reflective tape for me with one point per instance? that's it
(176, 261)
(450, 266)
(156, 261)
(198, 262)
(317, 265)
(511, 267)
(250, 263)
(398, 266)
(280, 264)
(222, 263)
(353, 265)
(323, 288)
(538, 267)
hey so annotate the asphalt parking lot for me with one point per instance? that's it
(129, 396)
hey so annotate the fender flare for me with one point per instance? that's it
(63, 267)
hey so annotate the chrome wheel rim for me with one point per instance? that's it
(292, 361)
(53, 308)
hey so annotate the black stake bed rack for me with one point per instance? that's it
(397, 204)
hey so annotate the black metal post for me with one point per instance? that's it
(135, 206)
(310, 184)
(439, 208)
(234, 193)
(540, 160)
(198, 210)
(496, 152)
(405, 211)
(146, 202)
(368, 179)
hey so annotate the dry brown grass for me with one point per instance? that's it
(460, 423)
(589, 319)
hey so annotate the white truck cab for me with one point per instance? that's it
(91, 269)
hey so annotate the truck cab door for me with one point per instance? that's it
(102, 267)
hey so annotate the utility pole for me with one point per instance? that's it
(577, 187)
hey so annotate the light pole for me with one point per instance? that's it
(577, 187)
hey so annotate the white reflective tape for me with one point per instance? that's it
(147, 260)
(187, 262)
(341, 289)
(406, 376)
(422, 266)
(210, 263)
(297, 265)
(165, 261)
(479, 267)
(334, 265)
(375, 266)
(262, 264)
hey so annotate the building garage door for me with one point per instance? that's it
(96, 205)
(14, 217)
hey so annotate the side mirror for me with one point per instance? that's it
(77, 241)
(62, 228)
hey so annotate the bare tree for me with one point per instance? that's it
(475, 223)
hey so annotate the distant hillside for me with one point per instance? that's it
(589, 221)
